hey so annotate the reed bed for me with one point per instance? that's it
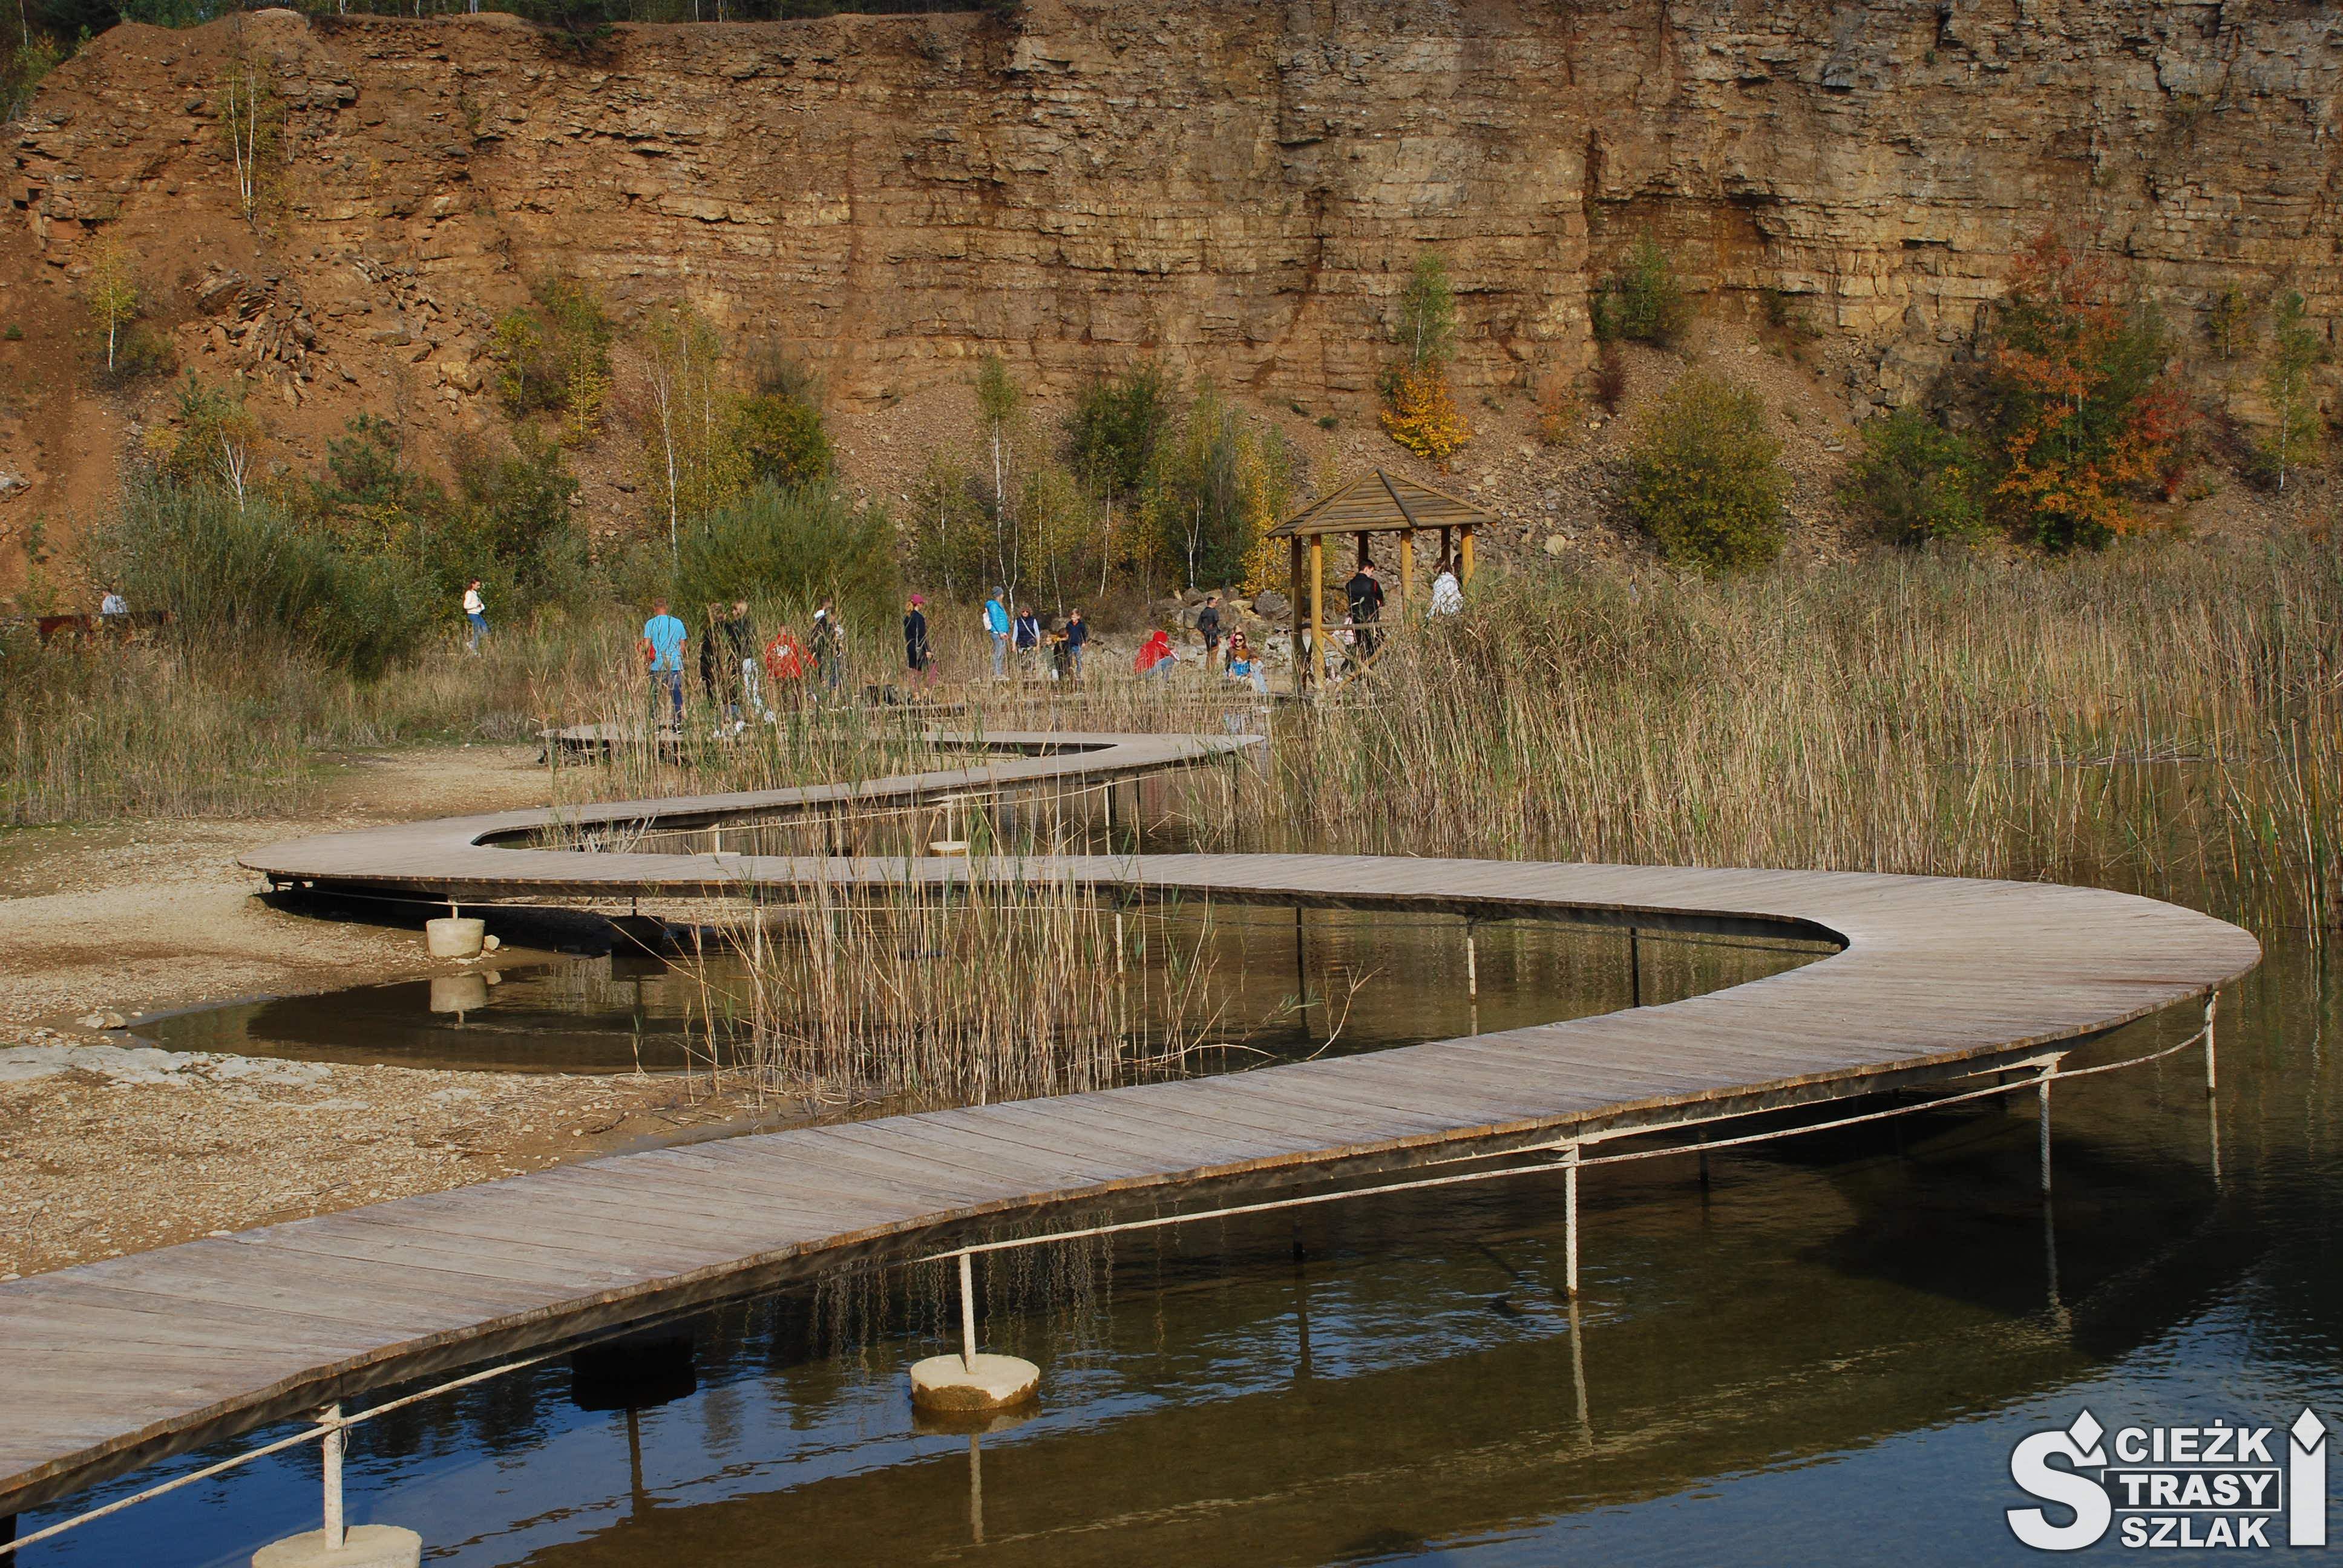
(2167, 723)
(994, 984)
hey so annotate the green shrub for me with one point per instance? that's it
(1915, 480)
(1706, 479)
(784, 440)
(228, 571)
(793, 546)
(1115, 427)
(1641, 301)
(553, 357)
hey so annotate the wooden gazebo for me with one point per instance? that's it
(1375, 503)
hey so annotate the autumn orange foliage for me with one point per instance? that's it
(2088, 413)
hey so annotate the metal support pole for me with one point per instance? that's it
(1634, 968)
(2212, 1076)
(966, 1314)
(2042, 1093)
(330, 1453)
(1569, 1221)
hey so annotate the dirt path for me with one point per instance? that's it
(101, 1152)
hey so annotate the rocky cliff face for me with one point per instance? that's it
(1239, 185)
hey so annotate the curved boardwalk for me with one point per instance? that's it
(109, 1364)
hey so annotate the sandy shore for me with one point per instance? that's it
(99, 1156)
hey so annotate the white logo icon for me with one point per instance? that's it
(2215, 1485)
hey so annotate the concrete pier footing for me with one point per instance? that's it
(454, 936)
(363, 1546)
(972, 1383)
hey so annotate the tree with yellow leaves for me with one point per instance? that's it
(113, 294)
(1419, 411)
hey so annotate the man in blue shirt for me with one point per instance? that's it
(662, 646)
(996, 621)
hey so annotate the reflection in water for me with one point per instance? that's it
(1283, 983)
(1836, 1343)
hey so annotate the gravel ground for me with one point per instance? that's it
(107, 1147)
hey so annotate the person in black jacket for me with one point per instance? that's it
(1366, 596)
(918, 657)
(1077, 635)
(1208, 623)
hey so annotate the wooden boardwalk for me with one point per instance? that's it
(108, 1365)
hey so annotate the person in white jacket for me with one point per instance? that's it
(476, 611)
(1447, 596)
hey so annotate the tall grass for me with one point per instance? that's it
(173, 724)
(929, 994)
(2166, 722)
(2165, 718)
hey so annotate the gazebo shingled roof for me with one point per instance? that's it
(1378, 502)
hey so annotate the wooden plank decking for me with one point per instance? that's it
(107, 1364)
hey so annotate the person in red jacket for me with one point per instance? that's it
(1156, 655)
(786, 665)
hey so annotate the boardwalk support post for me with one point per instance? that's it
(971, 1382)
(1472, 965)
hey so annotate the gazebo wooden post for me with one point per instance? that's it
(1464, 571)
(1317, 604)
(1301, 665)
(1406, 570)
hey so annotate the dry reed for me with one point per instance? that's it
(1000, 982)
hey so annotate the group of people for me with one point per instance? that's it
(740, 676)
(1037, 647)
(743, 677)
